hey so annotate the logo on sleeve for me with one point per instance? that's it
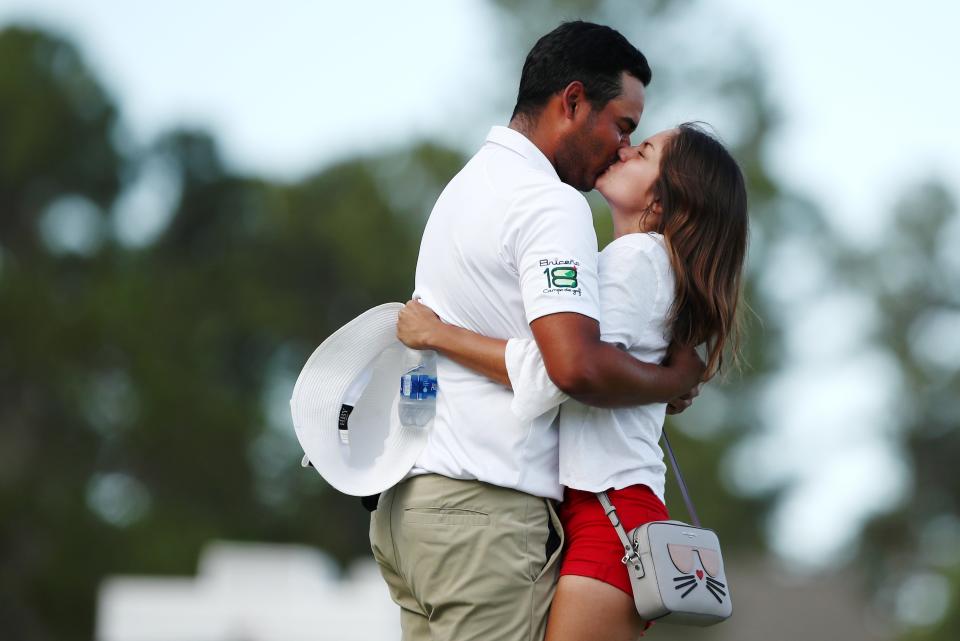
(561, 276)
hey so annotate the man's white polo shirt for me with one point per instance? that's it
(507, 242)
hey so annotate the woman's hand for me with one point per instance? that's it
(417, 325)
(685, 360)
(679, 404)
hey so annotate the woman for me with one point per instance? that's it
(673, 272)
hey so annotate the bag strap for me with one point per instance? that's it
(683, 486)
(611, 511)
(630, 556)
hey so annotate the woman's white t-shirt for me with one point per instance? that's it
(604, 448)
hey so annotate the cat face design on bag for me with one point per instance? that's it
(698, 566)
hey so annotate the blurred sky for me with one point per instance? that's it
(866, 89)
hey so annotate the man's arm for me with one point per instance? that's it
(550, 235)
(600, 374)
(418, 327)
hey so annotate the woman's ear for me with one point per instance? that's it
(652, 216)
(656, 207)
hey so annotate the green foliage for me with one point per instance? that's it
(55, 124)
(915, 279)
(136, 383)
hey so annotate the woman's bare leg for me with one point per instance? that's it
(586, 609)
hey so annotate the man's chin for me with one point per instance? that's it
(607, 170)
(584, 183)
(599, 179)
(591, 182)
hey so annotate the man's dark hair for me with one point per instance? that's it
(591, 53)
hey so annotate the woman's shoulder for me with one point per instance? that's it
(628, 246)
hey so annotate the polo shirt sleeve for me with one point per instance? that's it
(549, 241)
(631, 283)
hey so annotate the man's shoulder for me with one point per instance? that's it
(514, 177)
(533, 179)
(536, 189)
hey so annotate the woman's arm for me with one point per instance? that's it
(418, 327)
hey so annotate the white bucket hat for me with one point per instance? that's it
(344, 406)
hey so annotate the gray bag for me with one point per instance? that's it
(676, 570)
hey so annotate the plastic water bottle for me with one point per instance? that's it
(418, 392)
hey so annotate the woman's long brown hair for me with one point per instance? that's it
(703, 202)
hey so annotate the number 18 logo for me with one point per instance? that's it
(561, 277)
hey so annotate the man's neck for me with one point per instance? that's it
(536, 134)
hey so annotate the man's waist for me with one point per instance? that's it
(537, 475)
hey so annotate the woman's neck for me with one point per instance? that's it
(629, 223)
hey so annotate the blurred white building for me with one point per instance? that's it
(251, 592)
(269, 592)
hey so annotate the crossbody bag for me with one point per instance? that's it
(676, 569)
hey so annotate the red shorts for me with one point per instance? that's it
(592, 546)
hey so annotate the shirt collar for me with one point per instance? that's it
(517, 142)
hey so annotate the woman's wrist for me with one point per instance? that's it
(436, 337)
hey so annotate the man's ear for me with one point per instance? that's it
(572, 99)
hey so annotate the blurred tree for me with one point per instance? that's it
(136, 382)
(59, 171)
(914, 275)
(55, 123)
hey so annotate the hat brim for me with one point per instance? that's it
(380, 451)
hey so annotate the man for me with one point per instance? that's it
(464, 542)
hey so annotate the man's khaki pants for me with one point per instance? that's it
(466, 560)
